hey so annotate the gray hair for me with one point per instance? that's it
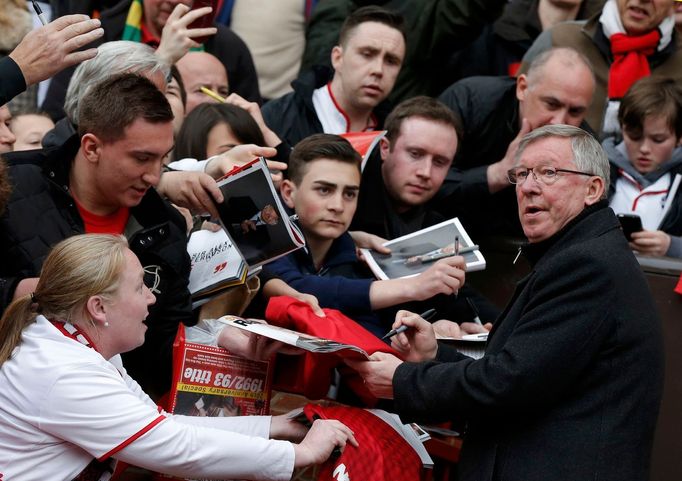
(588, 154)
(569, 57)
(112, 58)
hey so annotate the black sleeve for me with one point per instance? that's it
(12, 81)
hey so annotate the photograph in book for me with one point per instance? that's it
(412, 254)
(303, 341)
(254, 217)
(215, 263)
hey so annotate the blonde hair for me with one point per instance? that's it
(76, 269)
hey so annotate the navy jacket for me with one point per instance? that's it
(342, 283)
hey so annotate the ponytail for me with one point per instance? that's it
(17, 316)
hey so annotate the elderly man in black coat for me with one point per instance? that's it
(571, 381)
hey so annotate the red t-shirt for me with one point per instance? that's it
(104, 224)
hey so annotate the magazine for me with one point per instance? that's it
(412, 254)
(303, 341)
(253, 216)
(364, 143)
(216, 264)
(210, 381)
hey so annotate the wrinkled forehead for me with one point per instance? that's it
(551, 151)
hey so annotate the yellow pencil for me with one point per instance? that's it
(212, 94)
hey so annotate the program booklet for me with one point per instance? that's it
(303, 341)
(412, 254)
(210, 381)
(216, 264)
(254, 217)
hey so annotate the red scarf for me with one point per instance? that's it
(630, 62)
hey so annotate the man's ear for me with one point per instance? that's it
(337, 53)
(384, 147)
(91, 146)
(96, 309)
(288, 191)
(595, 190)
(521, 87)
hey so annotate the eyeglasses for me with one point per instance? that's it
(545, 174)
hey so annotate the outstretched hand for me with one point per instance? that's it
(195, 191)
(445, 276)
(53, 47)
(252, 346)
(176, 38)
(323, 437)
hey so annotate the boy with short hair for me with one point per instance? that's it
(646, 167)
(323, 185)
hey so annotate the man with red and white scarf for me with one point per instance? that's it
(628, 40)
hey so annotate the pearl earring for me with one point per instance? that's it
(106, 324)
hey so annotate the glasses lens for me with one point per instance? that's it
(547, 174)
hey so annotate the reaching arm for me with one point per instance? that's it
(46, 50)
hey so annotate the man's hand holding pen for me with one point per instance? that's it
(418, 342)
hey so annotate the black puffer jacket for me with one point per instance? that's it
(41, 212)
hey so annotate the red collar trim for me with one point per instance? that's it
(371, 122)
(71, 331)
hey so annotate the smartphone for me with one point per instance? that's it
(205, 20)
(630, 223)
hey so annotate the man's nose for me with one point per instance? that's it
(424, 168)
(559, 117)
(335, 203)
(153, 174)
(6, 135)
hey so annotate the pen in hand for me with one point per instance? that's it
(423, 259)
(39, 12)
(474, 311)
(426, 315)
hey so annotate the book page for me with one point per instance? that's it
(254, 218)
(295, 338)
(216, 263)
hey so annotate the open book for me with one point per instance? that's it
(216, 263)
(412, 254)
(295, 338)
(254, 217)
